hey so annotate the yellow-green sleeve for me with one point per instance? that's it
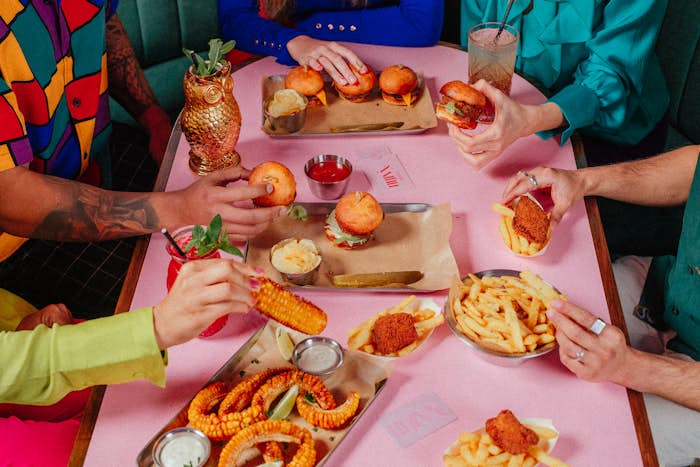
(43, 365)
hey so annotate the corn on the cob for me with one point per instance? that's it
(240, 396)
(329, 419)
(276, 385)
(291, 310)
(271, 430)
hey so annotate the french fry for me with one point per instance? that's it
(542, 456)
(503, 210)
(505, 314)
(503, 229)
(542, 432)
(516, 243)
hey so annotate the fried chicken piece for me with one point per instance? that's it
(509, 434)
(393, 332)
(530, 220)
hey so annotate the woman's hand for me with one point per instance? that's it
(204, 291)
(211, 195)
(329, 56)
(592, 357)
(567, 188)
(48, 316)
(512, 121)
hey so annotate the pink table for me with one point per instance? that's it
(595, 420)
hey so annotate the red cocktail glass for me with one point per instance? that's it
(182, 237)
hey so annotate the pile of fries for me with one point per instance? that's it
(478, 448)
(504, 314)
(426, 318)
(517, 243)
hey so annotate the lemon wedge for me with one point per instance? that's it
(284, 343)
(285, 405)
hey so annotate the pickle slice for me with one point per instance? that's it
(376, 279)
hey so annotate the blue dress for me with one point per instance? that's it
(412, 23)
(595, 56)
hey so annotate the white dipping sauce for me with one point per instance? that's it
(318, 358)
(183, 450)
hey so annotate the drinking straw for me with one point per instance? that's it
(503, 22)
(172, 241)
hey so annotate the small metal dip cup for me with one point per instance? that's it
(287, 123)
(303, 278)
(316, 342)
(175, 434)
(328, 190)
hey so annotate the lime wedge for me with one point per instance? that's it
(285, 405)
(272, 464)
(284, 343)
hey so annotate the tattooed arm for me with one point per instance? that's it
(128, 85)
(41, 206)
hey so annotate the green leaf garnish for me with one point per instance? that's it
(211, 238)
(451, 108)
(298, 213)
(310, 398)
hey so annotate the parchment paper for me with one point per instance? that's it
(339, 112)
(406, 241)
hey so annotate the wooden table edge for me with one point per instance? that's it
(636, 401)
(92, 407)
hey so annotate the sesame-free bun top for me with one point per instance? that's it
(460, 91)
(365, 83)
(398, 79)
(284, 186)
(358, 213)
(304, 80)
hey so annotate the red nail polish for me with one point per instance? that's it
(254, 283)
(260, 271)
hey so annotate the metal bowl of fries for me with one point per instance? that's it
(500, 313)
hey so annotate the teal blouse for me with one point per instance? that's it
(595, 57)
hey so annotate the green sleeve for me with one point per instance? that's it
(619, 54)
(43, 365)
(12, 309)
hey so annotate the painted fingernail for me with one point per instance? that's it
(343, 81)
(254, 283)
(269, 188)
(260, 271)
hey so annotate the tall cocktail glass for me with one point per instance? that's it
(182, 237)
(491, 60)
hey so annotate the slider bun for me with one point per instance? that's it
(398, 79)
(358, 213)
(460, 91)
(284, 187)
(304, 80)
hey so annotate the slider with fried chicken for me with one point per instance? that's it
(461, 104)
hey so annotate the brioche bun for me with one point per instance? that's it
(360, 91)
(282, 180)
(461, 104)
(399, 85)
(355, 217)
(307, 81)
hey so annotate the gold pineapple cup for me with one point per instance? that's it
(211, 120)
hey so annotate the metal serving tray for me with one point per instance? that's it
(229, 372)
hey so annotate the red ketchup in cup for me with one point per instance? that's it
(329, 172)
(182, 238)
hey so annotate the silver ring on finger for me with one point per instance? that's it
(597, 326)
(579, 355)
(529, 176)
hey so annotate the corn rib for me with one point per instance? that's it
(329, 419)
(289, 309)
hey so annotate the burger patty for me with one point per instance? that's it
(393, 332)
(469, 111)
(530, 220)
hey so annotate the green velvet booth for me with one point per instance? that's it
(158, 30)
(678, 49)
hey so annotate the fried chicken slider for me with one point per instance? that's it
(461, 104)
(360, 91)
(400, 85)
(353, 220)
(309, 82)
(284, 186)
